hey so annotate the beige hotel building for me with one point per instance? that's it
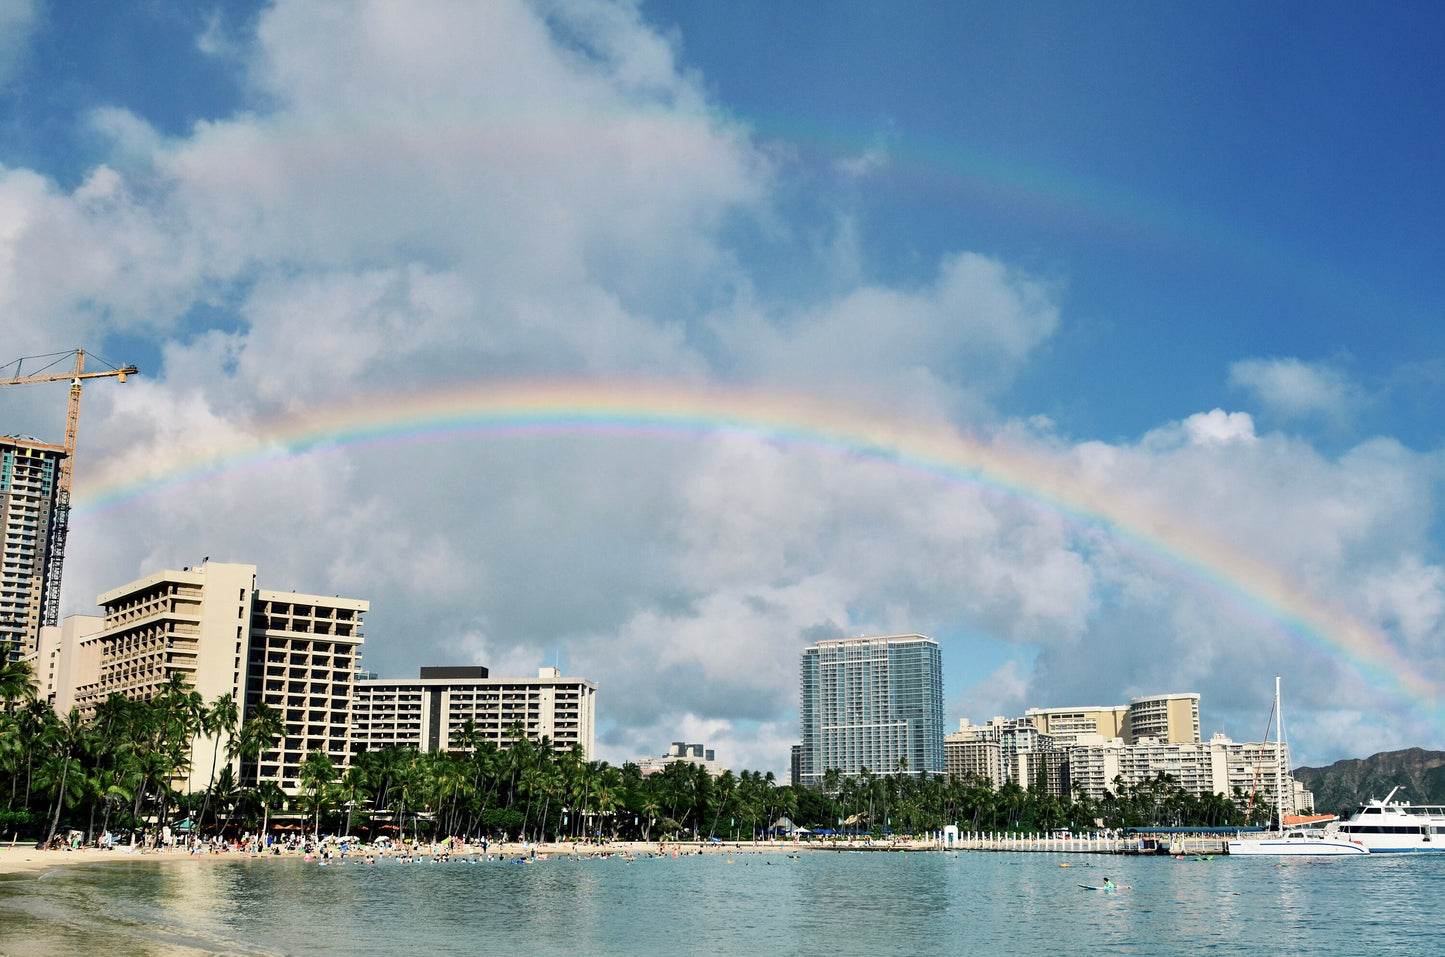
(1171, 718)
(214, 626)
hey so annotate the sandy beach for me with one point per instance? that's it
(25, 859)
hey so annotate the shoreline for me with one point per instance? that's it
(25, 859)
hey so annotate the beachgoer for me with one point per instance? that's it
(1109, 885)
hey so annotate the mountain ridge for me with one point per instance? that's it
(1342, 786)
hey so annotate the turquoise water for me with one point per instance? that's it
(824, 903)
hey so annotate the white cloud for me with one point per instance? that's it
(1292, 389)
(1410, 595)
(965, 332)
(1004, 693)
(1218, 427)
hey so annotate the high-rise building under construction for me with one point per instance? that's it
(29, 480)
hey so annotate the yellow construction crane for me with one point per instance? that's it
(60, 521)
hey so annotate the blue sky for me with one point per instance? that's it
(1211, 182)
(1188, 252)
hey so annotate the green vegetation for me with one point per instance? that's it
(116, 771)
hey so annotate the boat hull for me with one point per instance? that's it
(1296, 847)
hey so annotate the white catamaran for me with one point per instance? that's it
(1292, 842)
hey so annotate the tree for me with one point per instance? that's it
(218, 720)
(15, 682)
(355, 784)
(259, 734)
(64, 738)
(723, 788)
(316, 774)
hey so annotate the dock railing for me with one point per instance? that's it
(1102, 843)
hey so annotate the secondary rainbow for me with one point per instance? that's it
(676, 410)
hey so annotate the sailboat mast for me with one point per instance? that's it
(1278, 757)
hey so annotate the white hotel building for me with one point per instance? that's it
(430, 712)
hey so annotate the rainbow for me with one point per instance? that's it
(671, 410)
(1056, 195)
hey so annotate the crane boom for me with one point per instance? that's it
(60, 519)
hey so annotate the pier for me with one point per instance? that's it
(1020, 842)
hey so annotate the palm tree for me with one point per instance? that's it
(832, 781)
(64, 738)
(180, 711)
(258, 734)
(218, 720)
(223, 791)
(15, 682)
(650, 809)
(723, 787)
(270, 795)
(355, 787)
(316, 774)
(607, 794)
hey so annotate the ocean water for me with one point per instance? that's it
(727, 903)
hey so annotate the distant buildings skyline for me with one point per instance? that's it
(873, 702)
(1093, 750)
(681, 752)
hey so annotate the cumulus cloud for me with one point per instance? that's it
(1003, 693)
(968, 331)
(1218, 427)
(1292, 389)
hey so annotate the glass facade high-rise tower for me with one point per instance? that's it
(874, 703)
